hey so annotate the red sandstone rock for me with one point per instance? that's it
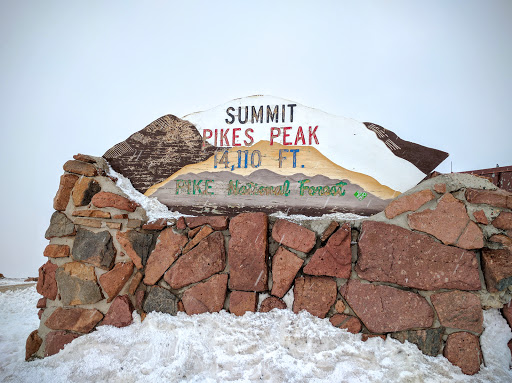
(107, 199)
(137, 246)
(84, 190)
(139, 298)
(88, 222)
(440, 188)
(120, 312)
(167, 250)
(242, 301)
(328, 232)
(462, 349)
(192, 232)
(40, 313)
(206, 259)
(350, 323)
(114, 225)
(113, 281)
(247, 254)
(340, 306)
(46, 284)
(180, 224)
(503, 221)
(408, 203)
(314, 294)
(135, 282)
(84, 158)
(91, 214)
(77, 319)
(285, 266)
(207, 296)
(203, 233)
(388, 253)
(457, 309)
(480, 217)
(507, 313)
(292, 235)
(79, 167)
(450, 223)
(159, 224)
(271, 303)
(32, 345)
(335, 258)
(387, 309)
(56, 340)
(41, 303)
(216, 222)
(503, 239)
(497, 268)
(120, 216)
(498, 198)
(365, 337)
(67, 181)
(56, 251)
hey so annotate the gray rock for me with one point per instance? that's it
(429, 341)
(143, 244)
(60, 226)
(161, 300)
(94, 248)
(76, 287)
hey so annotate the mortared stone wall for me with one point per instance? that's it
(423, 270)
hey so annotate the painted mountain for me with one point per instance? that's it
(263, 153)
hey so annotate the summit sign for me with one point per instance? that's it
(264, 153)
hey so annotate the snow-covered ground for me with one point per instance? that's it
(14, 281)
(277, 347)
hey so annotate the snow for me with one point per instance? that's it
(13, 281)
(276, 347)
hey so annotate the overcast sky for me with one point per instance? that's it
(83, 76)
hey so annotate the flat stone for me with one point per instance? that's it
(32, 344)
(348, 322)
(462, 349)
(135, 282)
(387, 309)
(94, 248)
(60, 226)
(41, 303)
(242, 301)
(56, 340)
(498, 198)
(167, 250)
(134, 223)
(330, 229)
(340, 306)
(61, 199)
(77, 284)
(204, 232)
(460, 310)
(137, 246)
(56, 251)
(160, 300)
(271, 303)
(84, 190)
(120, 216)
(389, 253)
(88, 222)
(410, 202)
(180, 224)
(292, 235)
(159, 224)
(207, 296)
(449, 222)
(84, 158)
(248, 248)
(429, 341)
(285, 266)
(79, 167)
(91, 214)
(139, 298)
(119, 313)
(46, 284)
(206, 259)
(113, 281)
(440, 188)
(107, 199)
(77, 319)
(503, 239)
(503, 221)
(507, 313)
(216, 222)
(316, 295)
(335, 258)
(114, 225)
(480, 217)
(497, 268)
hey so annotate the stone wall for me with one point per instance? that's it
(423, 270)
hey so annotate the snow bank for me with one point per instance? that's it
(276, 347)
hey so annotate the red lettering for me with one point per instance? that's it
(300, 136)
(285, 135)
(235, 137)
(207, 133)
(224, 136)
(216, 132)
(272, 135)
(313, 134)
(248, 136)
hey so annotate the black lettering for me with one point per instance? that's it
(271, 115)
(229, 114)
(240, 114)
(257, 116)
(291, 111)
